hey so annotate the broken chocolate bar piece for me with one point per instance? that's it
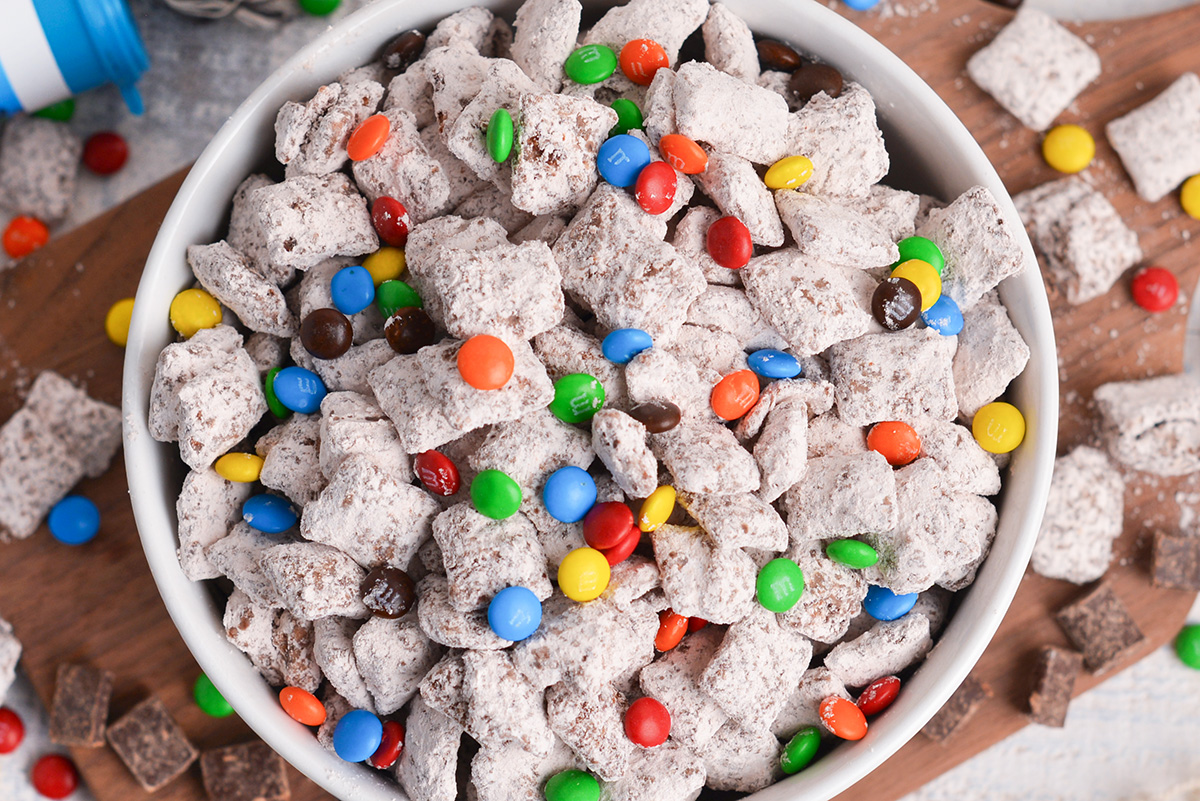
(1176, 562)
(1054, 678)
(151, 744)
(1099, 625)
(80, 707)
(961, 707)
(247, 772)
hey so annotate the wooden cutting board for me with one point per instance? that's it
(98, 603)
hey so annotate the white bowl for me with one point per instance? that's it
(931, 151)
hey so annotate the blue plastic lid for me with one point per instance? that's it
(118, 44)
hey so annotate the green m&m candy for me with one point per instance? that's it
(591, 64)
(62, 111)
(494, 494)
(1187, 646)
(800, 750)
(780, 584)
(320, 8)
(209, 699)
(918, 247)
(393, 295)
(277, 408)
(852, 553)
(572, 785)
(577, 397)
(500, 136)
(629, 117)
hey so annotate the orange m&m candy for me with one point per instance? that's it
(896, 441)
(641, 58)
(485, 362)
(302, 706)
(843, 718)
(683, 154)
(24, 235)
(671, 628)
(735, 394)
(369, 137)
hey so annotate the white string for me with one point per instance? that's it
(255, 13)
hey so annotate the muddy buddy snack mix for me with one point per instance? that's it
(575, 399)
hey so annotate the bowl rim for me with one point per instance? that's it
(227, 667)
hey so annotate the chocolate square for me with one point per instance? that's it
(151, 744)
(1176, 562)
(1099, 625)
(1054, 678)
(247, 772)
(965, 702)
(79, 710)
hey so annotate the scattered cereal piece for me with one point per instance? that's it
(393, 656)
(741, 758)
(313, 580)
(731, 115)
(1152, 425)
(483, 556)
(311, 138)
(10, 654)
(802, 706)
(737, 521)
(308, 219)
(555, 166)
(405, 169)
(546, 31)
(894, 376)
(825, 231)
(705, 457)
(967, 466)
(841, 496)
(333, 651)
(701, 580)
(729, 44)
(1084, 515)
(841, 137)
(39, 162)
(1054, 682)
(429, 762)
(884, 650)
(733, 184)
(589, 720)
(1157, 141)
(1100, 626)
(833, 595)
(668, 22)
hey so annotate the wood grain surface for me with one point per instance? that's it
(98, 603)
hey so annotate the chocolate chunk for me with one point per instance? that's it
(80, 707)
(1054, 678)
(151, 744)
(247, 772)
(1176, 562)
(965, 702)
(1099, 625)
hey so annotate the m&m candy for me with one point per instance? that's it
(657, 508)
(391, 221)
(485, 362)
(852, 553)
(1189, 197)
(62, 111)
(779, 585)
(319, 8)
(500, 136)
(1187, 646)
(409, 329)
(843, 718)
(657, 416)
(357, 736)
(389, 747)
(655, 187)
(671, 628)
(883, 604)
(494, 494)
(277, 408)
(1068, 148)
(800, 750)
(299, 390)
(577, 397)
(918, 247)
(1154, 289)
(326, 333)
(583, 574)
(74, 520)
(878, 695)
(735, 394)
(621, 159)
(24, 235)
(788, 173)
(116, 322)
(591, 64)
(368, 139)
(641, 58)
(210, 700)
(624, 548)
(269, 513)
(54, 776)
(728, 242)
(572, 785)
(392, 295)
(998, 427)
(926, 278)
(12, 730)
(514, 613)
(193, 310)
(569, 493)
(621, 345)
(896, 303)
(647, 722)
(683, 154)
(352, 289)
(607, 524)
(944, 317)
(437, 473)
(895, 441)
(105, 153)
(629, 116)
(385, 264)
(771, 363)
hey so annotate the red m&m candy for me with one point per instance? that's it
(647, 723)
(607, 524)
(54, 776)
(655, 187)
(437, 473)
(729, 243)
(12, 730)
(390, 747)
(106, 152)
(1155, 289)
(621, 551)
(391, 221)
(879, 695)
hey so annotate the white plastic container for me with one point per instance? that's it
(931, 152)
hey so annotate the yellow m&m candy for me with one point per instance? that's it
(242, 468)
(1189, 197)
(193, 310)
(116, 322)
(657, 508)
(1068, 148)
(788, 173)
(998, 427)
(925, 276)
(385, 264)
(583, 574)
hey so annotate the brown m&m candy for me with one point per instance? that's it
(896, 303)
(388, 592)
(326, 333)
(656, 416)
(403, 50)
(409, 330)
(778, 56)
(813, 78)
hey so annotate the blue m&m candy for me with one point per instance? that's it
(883, 604)
(621, 159)
(352, 289)
(74, 520)
(944, 316)
(299, 390)
(623, 344)
(771, 363)
(514, 613)
(569, 493)
(269, 513)
(357, 736)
